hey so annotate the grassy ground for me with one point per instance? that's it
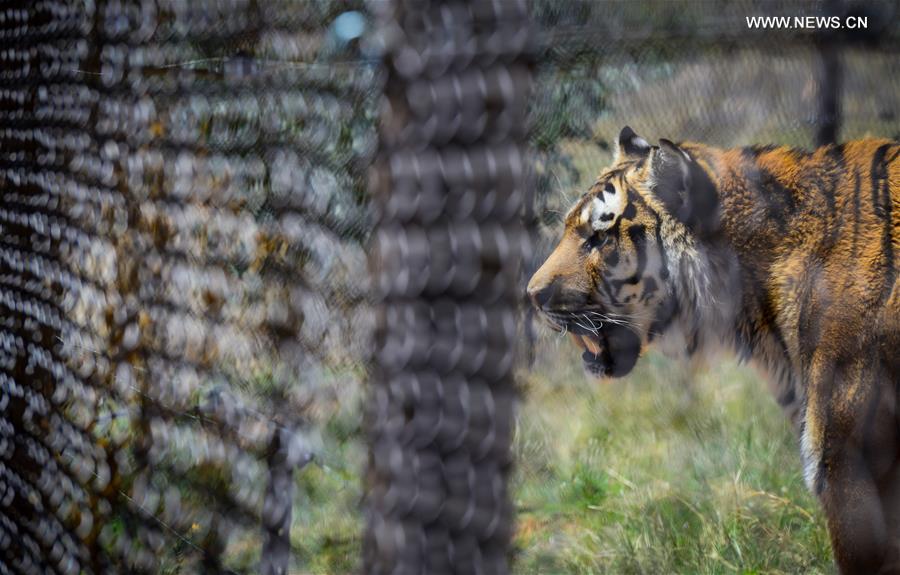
(649, 474)
(655, 475)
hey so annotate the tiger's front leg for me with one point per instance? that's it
(856, 520)
(850, 452)
(889, 489)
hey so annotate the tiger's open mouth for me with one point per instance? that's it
(609, 350)
(593, 354)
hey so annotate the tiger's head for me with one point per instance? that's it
(612, 280)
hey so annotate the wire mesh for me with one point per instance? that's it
(182, 221)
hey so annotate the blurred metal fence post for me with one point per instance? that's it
(447, 183)
(828, 118)
(278, 506)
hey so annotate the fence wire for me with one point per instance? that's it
(180, 261)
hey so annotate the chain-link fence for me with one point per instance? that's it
(183, 220)
(195, 194)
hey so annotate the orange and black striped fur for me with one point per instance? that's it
(788, 257)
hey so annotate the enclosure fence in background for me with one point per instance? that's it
(448, 183)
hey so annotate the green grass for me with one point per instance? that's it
(660, 472)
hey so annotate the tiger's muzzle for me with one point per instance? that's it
(608, 349)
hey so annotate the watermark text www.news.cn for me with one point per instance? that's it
(806, 22)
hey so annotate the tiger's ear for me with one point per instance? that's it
(684, 188)
(630, 145)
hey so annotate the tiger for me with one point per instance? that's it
(787, 258)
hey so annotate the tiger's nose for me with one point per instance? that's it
(541, 295)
